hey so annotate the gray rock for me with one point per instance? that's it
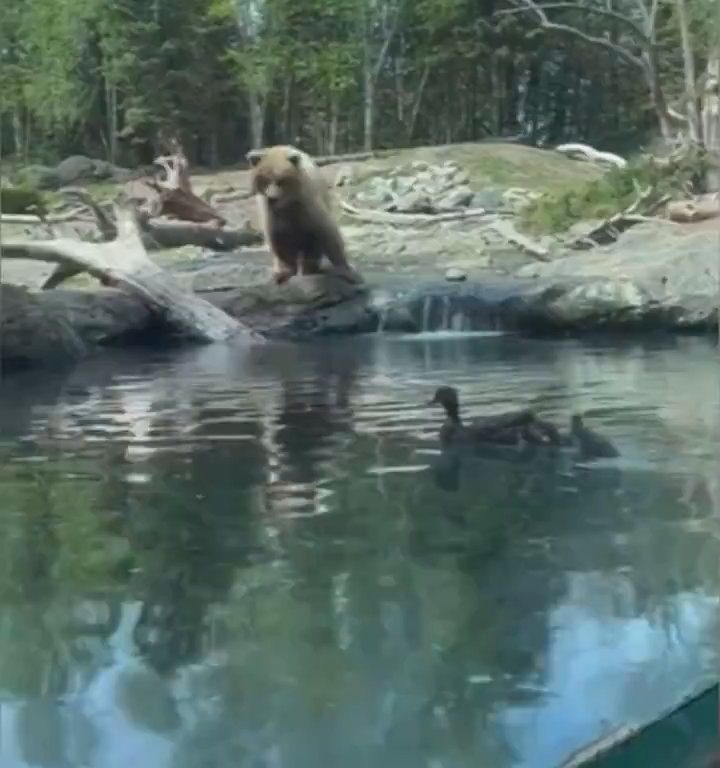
(666, 261)
(305, 305)
(460, 197)
(455, 275)
(413, 202)
(103, 169)
(345, 175)
(75, 168)
(33, 335)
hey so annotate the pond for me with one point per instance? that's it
(216, 558)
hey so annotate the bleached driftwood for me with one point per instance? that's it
(124, 263)
(385, 217)
(591, 154)
(157, 232)
(215, 196)
(507, 231)
(353, 157)
(32, 218)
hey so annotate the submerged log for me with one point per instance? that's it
(123, 262)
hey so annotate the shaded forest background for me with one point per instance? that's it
(113, 79)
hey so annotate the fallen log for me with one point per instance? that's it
(174, 234)
(385, 217)
(123, 262)
(507, 231)
(593, 155)
(163, 233)
(613, 226)
(353, 157)
(701, 208)
(32, 218)
(215, 196)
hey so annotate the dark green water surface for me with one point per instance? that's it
(228, 559)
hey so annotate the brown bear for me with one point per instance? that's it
(296, 213)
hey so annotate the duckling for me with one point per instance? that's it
(590, 443)
(503, 429)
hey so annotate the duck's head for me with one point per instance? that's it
(448, 398)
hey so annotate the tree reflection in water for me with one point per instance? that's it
(206, 572)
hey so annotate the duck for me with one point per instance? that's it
(588, 442)
(517, 427)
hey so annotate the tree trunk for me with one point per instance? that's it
(214, 150)
(286, 110)
(257, 118)
(334, 120)
(111, 113)
(368, 104)
(17, 123)
(711, 120)
(692, 111)
(417, 101)
(652, 79)
(399, 91)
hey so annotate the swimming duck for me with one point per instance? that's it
(509, 428)
(589, 442)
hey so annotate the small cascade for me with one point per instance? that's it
(382, 319)
(445, 321)
(427, 306)
(458, 322)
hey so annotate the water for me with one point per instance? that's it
(258, 559)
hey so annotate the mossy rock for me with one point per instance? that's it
(21, 199)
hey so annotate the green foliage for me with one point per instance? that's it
(613, 192)
(87, 75)
(20, 199)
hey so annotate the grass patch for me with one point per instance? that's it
(614, 191)
(491, 164)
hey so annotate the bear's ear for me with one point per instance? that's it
(295, 157)
(254, 156)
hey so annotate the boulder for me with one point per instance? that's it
(412, 202)
(459, 197)
(305, 305)
(75, 168)
(34, 335)
(78, 168)
(455, 275)
(654, 269)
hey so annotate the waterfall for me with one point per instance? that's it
(427, 306)
(445, 322)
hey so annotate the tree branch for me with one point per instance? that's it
(386, 45)
(545, 23)
(606, 13)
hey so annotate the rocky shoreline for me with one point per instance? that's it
(424, 277)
